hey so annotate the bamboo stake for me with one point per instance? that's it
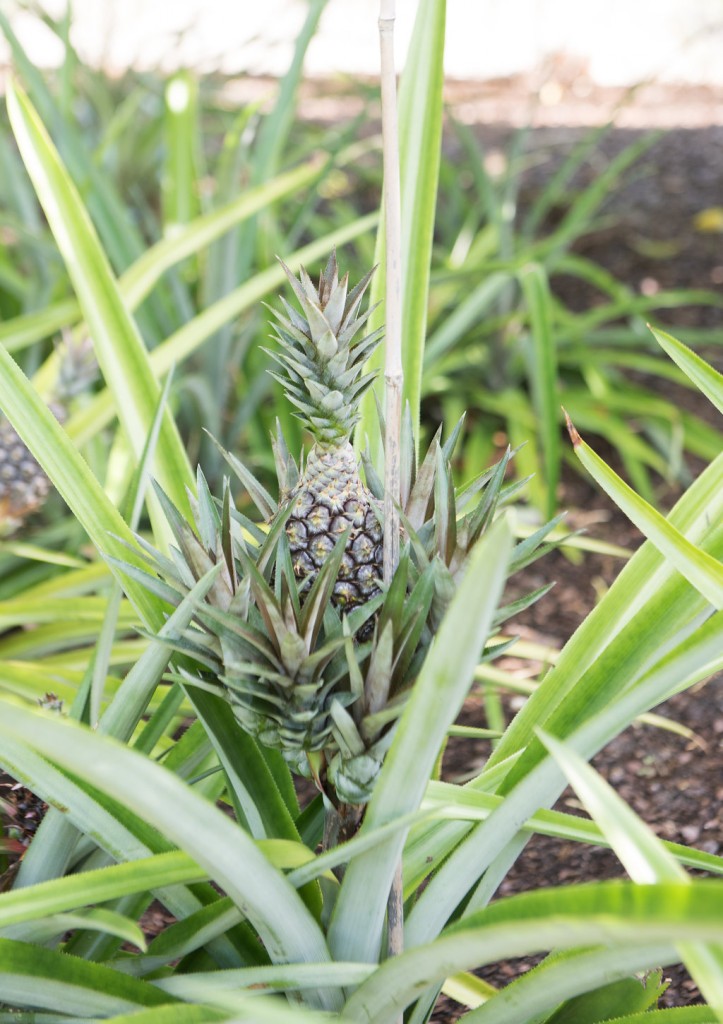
(393, 372)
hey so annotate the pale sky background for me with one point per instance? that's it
(619, 42)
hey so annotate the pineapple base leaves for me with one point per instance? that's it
(320, 683)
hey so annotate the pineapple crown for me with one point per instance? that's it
(322, 354)
(78, 368)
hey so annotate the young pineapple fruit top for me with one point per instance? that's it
(322, 356)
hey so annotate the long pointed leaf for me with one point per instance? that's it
(703, 571)
(609, 914)
(561, 978)
(641, 852)
(695, 515)
(118, 345)
(543, 376)
(60, 895)
(45, 978)
(73, 479)
(705, 378)
(540, 781)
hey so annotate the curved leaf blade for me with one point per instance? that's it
(703, 571)
(543, 376)
(136, 283)
(63, 895)
(705, 378)
(73, 479)
(608, 914)
(581, 982)
(230, 856)
(97, 919)
(634, 591)
(45, 978)
(640, 851)
(533, 780)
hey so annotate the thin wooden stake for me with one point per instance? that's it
(393, 372)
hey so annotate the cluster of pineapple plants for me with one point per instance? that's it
(287, 653)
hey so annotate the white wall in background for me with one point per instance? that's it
(618, 42)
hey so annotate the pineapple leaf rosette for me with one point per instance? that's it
(298, 633)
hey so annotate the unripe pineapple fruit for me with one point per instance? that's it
(24, 487)
(322, 355)
(325, 689)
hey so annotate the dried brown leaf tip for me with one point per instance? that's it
(572, 430)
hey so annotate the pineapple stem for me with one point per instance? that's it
(341, 825)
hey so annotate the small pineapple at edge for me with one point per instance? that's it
(24, 485)
(322, 356)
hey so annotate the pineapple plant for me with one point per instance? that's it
(297, 632)
(322, 355)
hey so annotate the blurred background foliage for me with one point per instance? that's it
(154, 156)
